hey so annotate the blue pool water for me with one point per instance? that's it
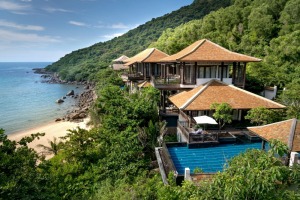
(210, 159)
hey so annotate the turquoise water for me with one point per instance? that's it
(210, 159)
(25, 101)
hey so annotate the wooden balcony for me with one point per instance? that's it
(171, 82)
(136, 77)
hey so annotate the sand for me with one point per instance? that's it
(51, 130)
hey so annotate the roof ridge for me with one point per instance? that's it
(194, 49)
(151, 51)
(263, 98)
(229, 51)
(197, 94)
(270, 124)
(161, 51)
(292, 134)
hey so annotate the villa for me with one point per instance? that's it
(119, 64)
(190, 81)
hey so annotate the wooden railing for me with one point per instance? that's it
(183, 125)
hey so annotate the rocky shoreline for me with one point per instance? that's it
(83, 101)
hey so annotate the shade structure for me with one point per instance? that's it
(205, 120)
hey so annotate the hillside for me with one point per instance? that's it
(83, 63)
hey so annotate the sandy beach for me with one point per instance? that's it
(51, 130)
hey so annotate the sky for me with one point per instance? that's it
(46, 30)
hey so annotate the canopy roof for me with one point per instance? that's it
(205, 120)
(144, 84)
(148, 55)
(121, 58)
(207, 51)
(287, 131)
(214, 91)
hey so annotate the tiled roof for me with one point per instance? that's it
(214, 91)
(207, 51)
(148, 55)
(121, 58)
(287, 131)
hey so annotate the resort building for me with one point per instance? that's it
(190, 81)
(119, 63)
(198, 101)
(144, 65)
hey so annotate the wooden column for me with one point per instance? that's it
(167, 72)
(144, 71)
(195, 73)
(233, 73)
(150, 69)
(222, 69)
(181, 73)
(263, 145)
(244, 75)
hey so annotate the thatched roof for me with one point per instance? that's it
(287, 131)
(214, 91)
(207, 51)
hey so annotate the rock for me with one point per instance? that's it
(87, 87)
(74, 116)
(82, 115)
(59, 101)
(64, 97)
(70, 93)
(58, 119)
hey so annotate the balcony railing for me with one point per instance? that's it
(136, 76)
(170, 79)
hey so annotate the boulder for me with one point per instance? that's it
(82, 115)
(58, 119)
(70, 93)
(59, 101)
(74, 116)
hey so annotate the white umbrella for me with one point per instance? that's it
(205, 120)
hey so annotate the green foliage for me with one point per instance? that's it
(253, 175)
(222, 113)
(197, 170)
(278, 147)
(19, 175)
(267, 29)
(53, 148)
(262, 116)
(291, 98)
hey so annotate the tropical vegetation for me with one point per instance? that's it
(114, 160)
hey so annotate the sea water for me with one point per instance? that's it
(26, 101)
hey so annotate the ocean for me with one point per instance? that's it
(27, 102)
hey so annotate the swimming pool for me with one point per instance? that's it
(208, 159)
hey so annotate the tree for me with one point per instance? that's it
(222, 113)
(255, 174)
(53, 148)
(261, 116)
(20, 177)
(290, 97)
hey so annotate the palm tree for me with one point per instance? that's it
(54, 147)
